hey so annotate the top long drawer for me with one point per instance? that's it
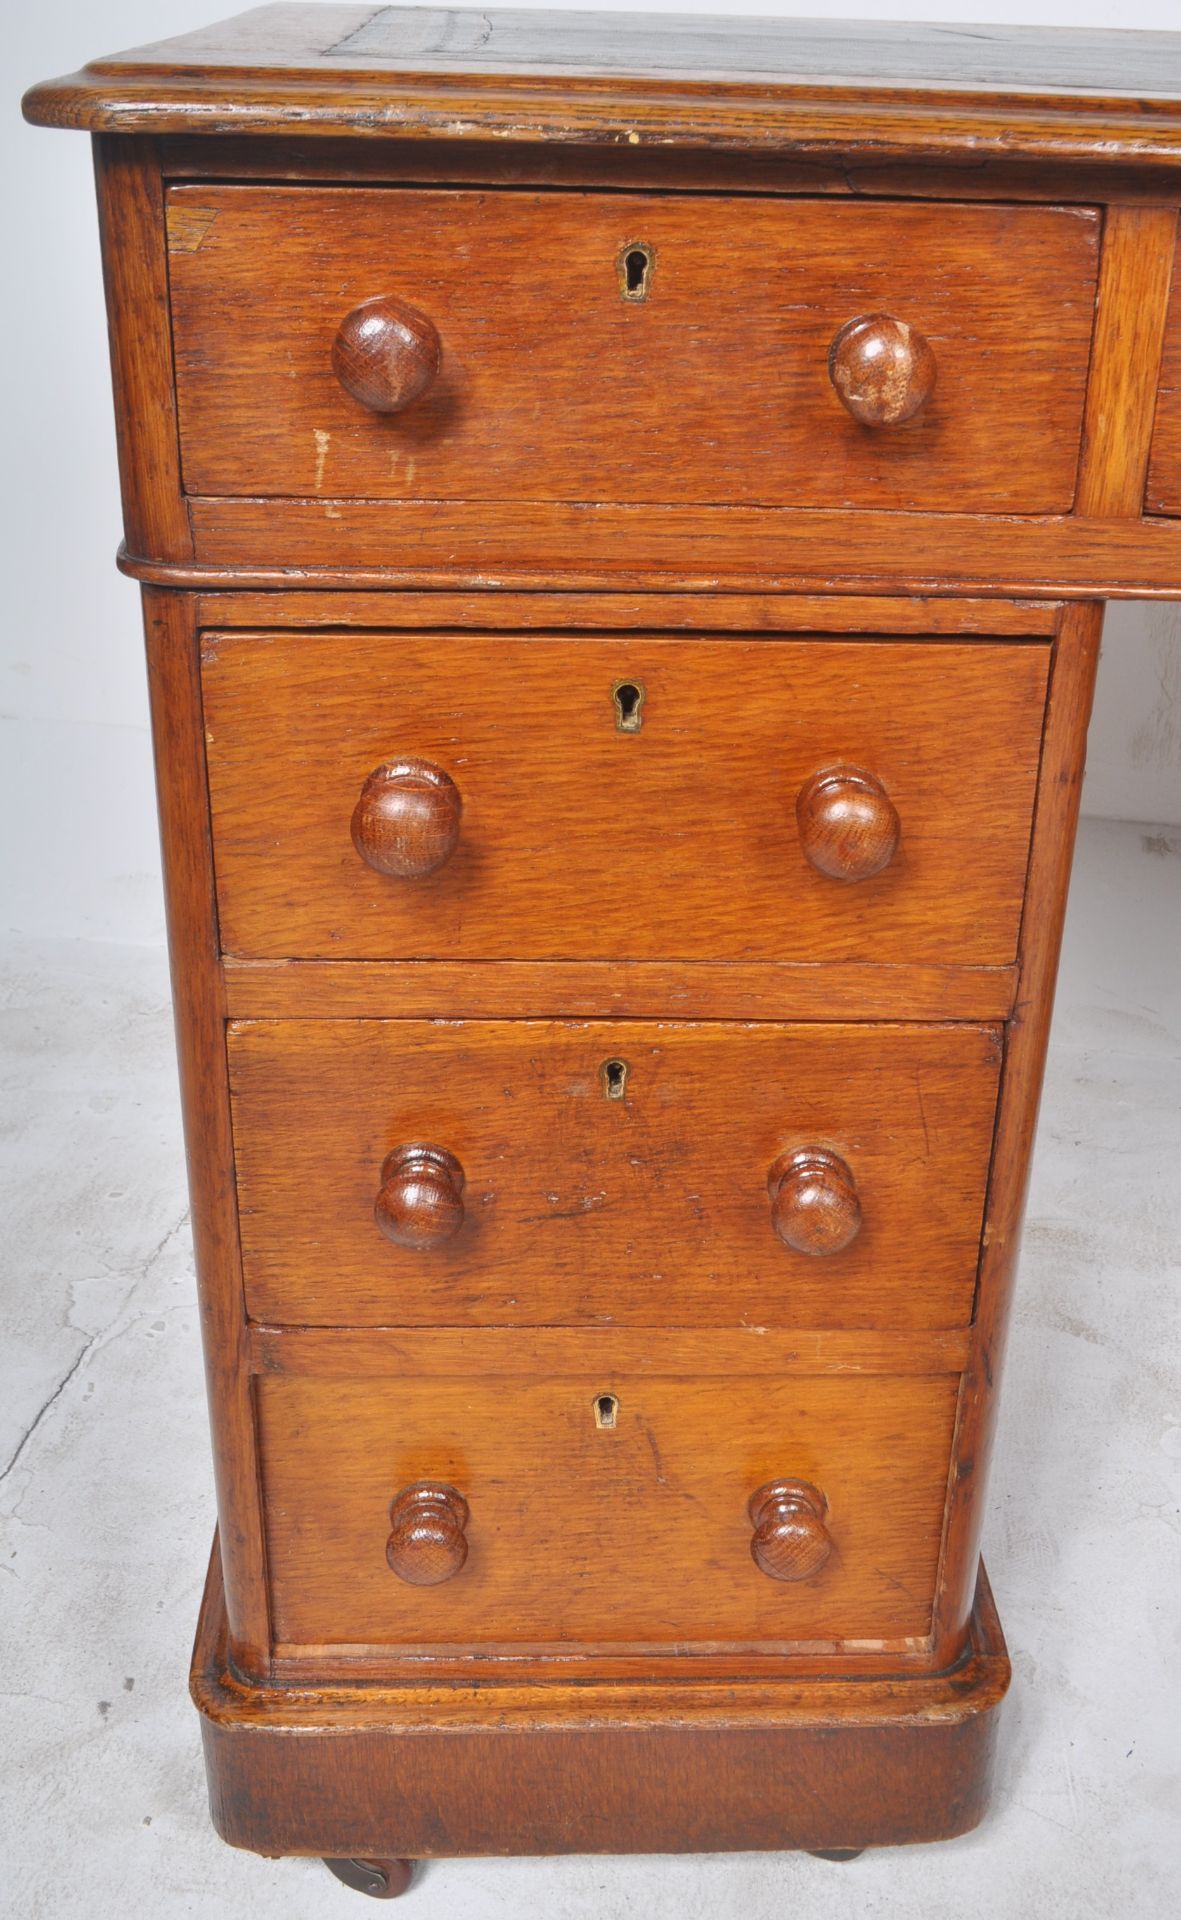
(628, 348)
(434, 796)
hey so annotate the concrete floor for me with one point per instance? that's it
(106, 1511)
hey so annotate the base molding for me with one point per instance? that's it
(423, 1771)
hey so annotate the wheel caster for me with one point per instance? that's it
(836, 1853)
(380, 1879)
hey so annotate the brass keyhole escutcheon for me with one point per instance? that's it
(636, 263)
(606, 1412)
(614, 1077)
(628, 696)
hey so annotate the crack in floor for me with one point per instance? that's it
(54, 1397)
(138, 1273)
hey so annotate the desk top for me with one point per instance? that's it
(680, 80)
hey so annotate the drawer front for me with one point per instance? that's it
(599, 1173)
(641, 797)
(555, 386)
(1164, 470)
(621, 1536)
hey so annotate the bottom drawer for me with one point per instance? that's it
(612, 1512)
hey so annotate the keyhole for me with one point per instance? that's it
(628, 696)
(606, 1411)
(635, 270)
(614, 1074)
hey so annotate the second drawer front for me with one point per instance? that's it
(632, 798)
(546, 1526)
(600, 1173)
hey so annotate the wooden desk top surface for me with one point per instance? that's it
(669, 79)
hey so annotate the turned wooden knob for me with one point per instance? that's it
(882, 368)
(386, 354)
(427, 1543)
(814, 1203)
(420, 1201)
(406, 821)
(791, 1541)
(848, 824)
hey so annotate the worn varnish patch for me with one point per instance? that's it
(188, 225)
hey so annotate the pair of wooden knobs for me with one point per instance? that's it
(386, 354)
(815, 1208)
(428, 1531)
(406, 821)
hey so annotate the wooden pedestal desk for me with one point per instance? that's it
(623, 508)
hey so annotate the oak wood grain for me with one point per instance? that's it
(770, 169)
(555, 864)
(879, 88)
(428, 1541)
(281, 543)
(720, 377)
(551, 1353)
(815, 1206)
(763, 1763)
(135, 274)
(632, 1537)
(1137, 264)
(882, 369)
(1164, 472)
(175, 694)
(849, 827)
(924, 617)
(385, 354)
(578, 1210)
(407, 817)
(699, 989)
(419, 1203)
(536, 1117)
(790, 1539)
(1059, 791)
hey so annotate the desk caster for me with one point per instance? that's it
(380, 1879)
(836, 1853)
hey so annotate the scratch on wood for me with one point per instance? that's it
(657, 1457)
(321, 438)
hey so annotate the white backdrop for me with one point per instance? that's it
(79, 852)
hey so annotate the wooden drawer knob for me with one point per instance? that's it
(791, 1541)
(420, 1201)
(427, 1543)
(882, 368)
(406, 821)
(814, 1203)
(848, 824)
(386, 354)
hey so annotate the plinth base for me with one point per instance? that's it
(373, 1771)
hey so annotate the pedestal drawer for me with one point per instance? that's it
(625, 347)
(637, 1173)
(458, 796)
(482, 1511)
